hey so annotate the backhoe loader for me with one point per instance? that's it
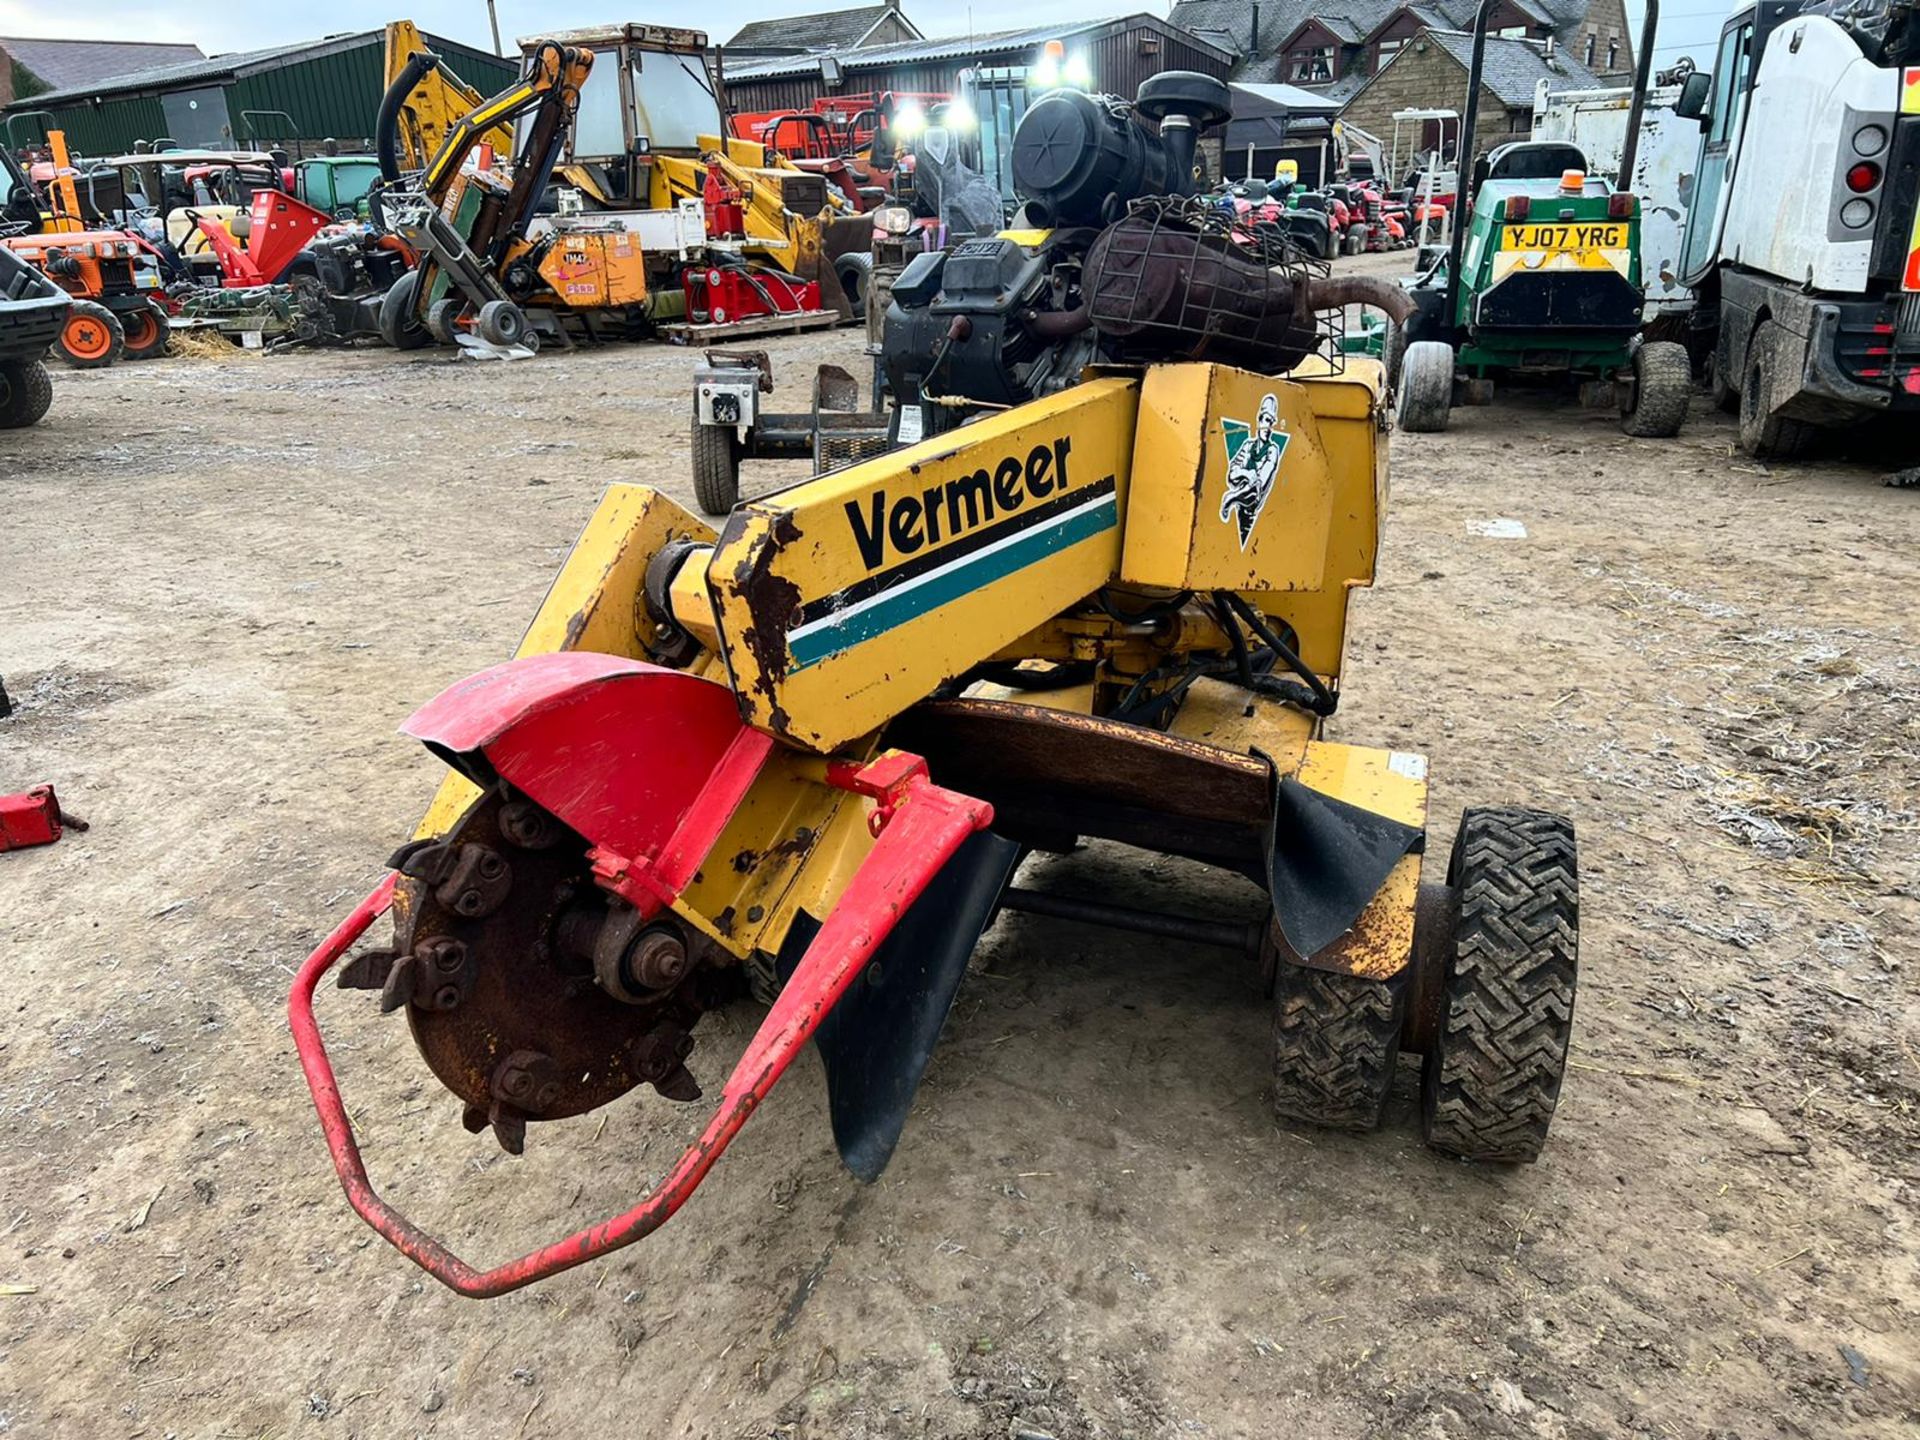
(563, 234)
(805, 755)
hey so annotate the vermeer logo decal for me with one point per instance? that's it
(1253, 463)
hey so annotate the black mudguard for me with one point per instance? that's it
(877, 1041)
(1327, 860)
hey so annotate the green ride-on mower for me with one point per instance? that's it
(1541, 279)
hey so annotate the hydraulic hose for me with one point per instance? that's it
(386, 125)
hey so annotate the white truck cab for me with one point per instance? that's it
(1802, 239)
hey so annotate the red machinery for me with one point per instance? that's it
(33, 817)
(279, 227)
(677, 760)
(725, 293)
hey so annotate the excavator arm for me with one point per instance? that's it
(428, 106)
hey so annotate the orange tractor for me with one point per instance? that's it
(114, 278)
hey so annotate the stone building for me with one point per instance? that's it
(1336, 46)
(1429, 71)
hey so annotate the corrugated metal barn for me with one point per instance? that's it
(1120, 53)
(293, 95)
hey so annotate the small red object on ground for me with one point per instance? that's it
(33, 818)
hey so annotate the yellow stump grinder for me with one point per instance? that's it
(804, 757)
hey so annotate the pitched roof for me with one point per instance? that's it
(953, 47)
(213, 70)
(63, 64)
(1513, 68)
(1279, 19)
(1273, 69)
(1292, 98)
(828, 30)
(1211, 19)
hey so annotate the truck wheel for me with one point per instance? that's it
(1335, 1040)
(26, 390)
(1426, 387)
(1762, 435)
(147, 329)
(92, 338)
(400, 323)
(1654, 407)
(1499, 1050)
(1726, 395)
(716, 468)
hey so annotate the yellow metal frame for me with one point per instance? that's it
(1125, 481)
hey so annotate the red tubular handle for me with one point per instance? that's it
(928, 826)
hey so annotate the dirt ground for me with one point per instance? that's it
(222, 586)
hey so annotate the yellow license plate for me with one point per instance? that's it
(1571, 236)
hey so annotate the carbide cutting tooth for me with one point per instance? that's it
(368, 970)
(678, 1084)
(509, 1127)
(430, 861)
(398, 860)
(401, 980)
(474, 1117)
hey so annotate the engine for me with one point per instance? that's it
(1113, 260)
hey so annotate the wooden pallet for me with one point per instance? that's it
(789, 324)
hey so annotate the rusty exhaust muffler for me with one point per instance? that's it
(1166, 291)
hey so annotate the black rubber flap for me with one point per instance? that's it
(1328, 860)
(877, 1041)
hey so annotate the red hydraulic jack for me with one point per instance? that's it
(33, 817)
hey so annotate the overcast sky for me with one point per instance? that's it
(1687, 26)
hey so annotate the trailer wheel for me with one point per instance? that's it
(1654, 405)
(1335, 1041)
(1426, 387)
(441, 316)
(1766, 436)
(716, 468)
(147, 330)
(92, 338)
(501, 322)
(26, 390)
(400, 323)
(1499, 1047)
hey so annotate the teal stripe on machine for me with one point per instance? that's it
(837, 633)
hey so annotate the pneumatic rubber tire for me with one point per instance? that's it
(716, 468)
(1426, 388)
(502, 323)
(26, 390)
(1662, 388)
(147, 330)
(92, 338)
(1725, 394)
(400, 323)
(1766, 436)
(853, 270)
(441, 316)
(1335, 1041)
(1499, 1049)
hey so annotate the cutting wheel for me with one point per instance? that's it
(530, 993)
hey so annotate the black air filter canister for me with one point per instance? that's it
(1082, 157)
